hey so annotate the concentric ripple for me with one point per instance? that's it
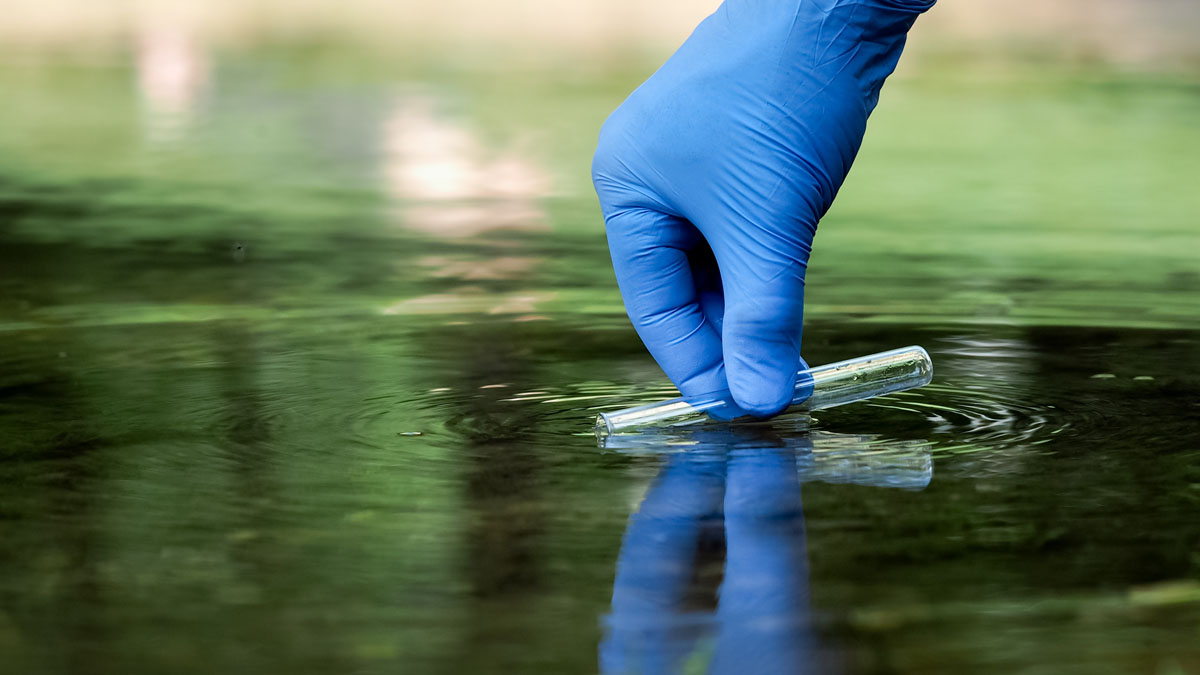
(954, 413)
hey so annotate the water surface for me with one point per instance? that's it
(298, 367)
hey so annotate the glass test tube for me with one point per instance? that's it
(816, 388)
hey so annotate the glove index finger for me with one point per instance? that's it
(649, 254)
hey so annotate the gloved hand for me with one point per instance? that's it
(713, 174)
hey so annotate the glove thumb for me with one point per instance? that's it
(760, 337)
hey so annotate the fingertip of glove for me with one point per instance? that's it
(763, 397)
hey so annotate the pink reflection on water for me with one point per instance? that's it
(173, 74)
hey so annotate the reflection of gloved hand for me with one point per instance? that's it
(727, 157)
(751, 488)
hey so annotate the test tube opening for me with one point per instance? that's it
(603, 426)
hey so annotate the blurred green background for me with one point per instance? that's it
(305, 308)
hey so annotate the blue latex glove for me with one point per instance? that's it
(713, 174)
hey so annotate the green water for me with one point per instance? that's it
(299, 353)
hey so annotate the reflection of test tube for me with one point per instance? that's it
(816, 388)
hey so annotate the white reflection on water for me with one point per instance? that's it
(445, 182)
(496, 269)
(473, 300)
(173, 75)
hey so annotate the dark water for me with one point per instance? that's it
(279, 396)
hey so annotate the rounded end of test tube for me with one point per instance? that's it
(925, 364)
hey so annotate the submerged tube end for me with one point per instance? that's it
(604, 426)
